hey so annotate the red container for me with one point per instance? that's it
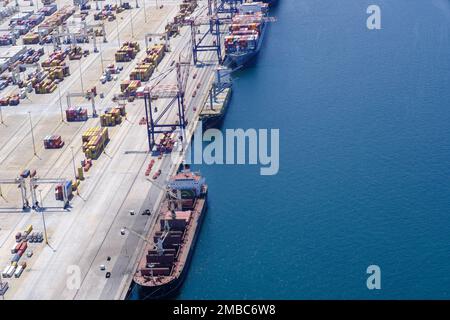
(23, 246)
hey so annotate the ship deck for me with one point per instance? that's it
(183, 255)
(218, 105)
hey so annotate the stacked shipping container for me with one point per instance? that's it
(127, 52)
(94, 142)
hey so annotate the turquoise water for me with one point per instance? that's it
(364, 167)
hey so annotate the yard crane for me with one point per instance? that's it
(34, 182)
(148, 37)
(23, 190)
(94, 38)
(16, 73)
(83, 94)
(42, 30)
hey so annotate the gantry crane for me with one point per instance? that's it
(20, 181)
(83, 94)
(148, 37)
(34, 182)
(198, 39)
(173, 92)
(224, 6)
(15, 73)
(94, 38)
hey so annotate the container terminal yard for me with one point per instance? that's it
(68, 197)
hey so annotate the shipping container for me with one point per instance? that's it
(53, 142)
(10, 272)
(29, 229)
(23, 246)
(3, 288)
(18, 272)
(5, 271)
(15, 258)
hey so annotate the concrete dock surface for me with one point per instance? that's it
(81, 238)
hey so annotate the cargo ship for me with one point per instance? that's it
(215, 108)
(169, 248)
(247, 32)
(216, 105)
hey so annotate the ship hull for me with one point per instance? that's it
(213, 122)
(271, 2)
(170, 289)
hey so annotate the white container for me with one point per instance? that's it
(5, 271)
(10, 272)
(18, 272)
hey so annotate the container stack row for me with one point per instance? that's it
(94, 142)
(144, 69)
(112, 116)
(76, 114)
(127, 52)
(53, 142)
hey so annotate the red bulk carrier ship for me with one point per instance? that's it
(168, 252)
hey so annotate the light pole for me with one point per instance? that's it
(73, 163)
(131, 22)
(43, 218)
(101, 56)
(145, 13)
(40, 199)
(81, 76)
(60, 103)
(32, 134)
(1, 286)
(1, 115)
(117, 27)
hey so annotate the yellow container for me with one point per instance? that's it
(29, 229)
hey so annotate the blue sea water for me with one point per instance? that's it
(364, 119)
